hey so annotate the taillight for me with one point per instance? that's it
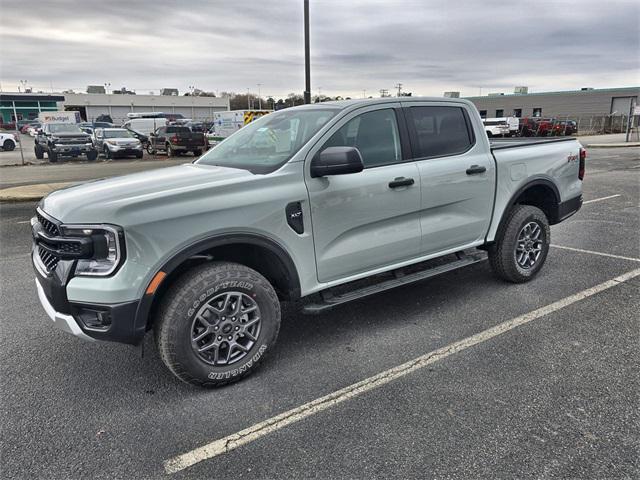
(583, 158)
(174, 139)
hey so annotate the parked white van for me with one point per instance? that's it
(145, 125)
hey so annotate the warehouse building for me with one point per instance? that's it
(117, 107)
(574, 104)
(26, 106)
(91, 105)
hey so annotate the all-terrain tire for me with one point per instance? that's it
(53, 156)
(503, 255)
(178, 322)
(92, 155)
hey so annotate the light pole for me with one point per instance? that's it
(307, 64)
(24, 85)
(248, 100)
(107, 86)
(259, 97)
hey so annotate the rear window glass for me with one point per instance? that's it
(440, 131)
(178, 130)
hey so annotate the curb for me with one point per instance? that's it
(30, 192)
(613, 145)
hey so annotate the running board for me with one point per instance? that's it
(329, 300)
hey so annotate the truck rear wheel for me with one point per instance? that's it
(216, 323)
(8, 145)
(39, 153)
(522, 245)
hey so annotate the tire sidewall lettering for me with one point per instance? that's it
(241, 284)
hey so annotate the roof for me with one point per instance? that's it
(30, 97)
(561, 92)
(343, 104)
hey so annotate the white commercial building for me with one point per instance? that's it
(91, 105)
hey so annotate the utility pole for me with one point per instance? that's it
(259, 97)
(384, 92)
(364, 93)
(248, 104)
(399, 87)
(307, 62)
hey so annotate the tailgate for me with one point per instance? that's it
(191, 139)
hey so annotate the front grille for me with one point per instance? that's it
(50, 227)
(49, 260)
(72, 141)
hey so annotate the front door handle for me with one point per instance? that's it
(475, 169)
(401, 182)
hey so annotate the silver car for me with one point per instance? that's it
(116, 142)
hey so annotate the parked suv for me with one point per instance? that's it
(116, 142)
(304, 202)
(63, 139)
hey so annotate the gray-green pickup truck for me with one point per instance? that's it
(332, 201)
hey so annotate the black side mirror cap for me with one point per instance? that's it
(336, 161)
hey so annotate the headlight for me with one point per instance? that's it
(108, 248)
(55, 139)
(112, 142)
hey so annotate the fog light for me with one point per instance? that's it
(95, 319)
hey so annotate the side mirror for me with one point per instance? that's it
(336, 161)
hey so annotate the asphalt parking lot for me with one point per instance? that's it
(556, 395)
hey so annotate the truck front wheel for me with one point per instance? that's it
(216, 323)
(37, 150)
(53, 156)
(8, 145)
(522, 245)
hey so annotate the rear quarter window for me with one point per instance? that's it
(440, 131)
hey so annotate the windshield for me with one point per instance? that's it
(117, 134)
(64, 128)
(267, 143)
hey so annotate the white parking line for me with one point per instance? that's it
(591, 252)
(278, 422)
(601, 199)
(25, 221)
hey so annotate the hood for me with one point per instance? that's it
(70, 134)
(124, 200)
(122, 140)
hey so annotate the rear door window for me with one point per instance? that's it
(439, 131)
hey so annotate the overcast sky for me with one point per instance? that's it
(429, 46)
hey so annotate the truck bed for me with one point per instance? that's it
(515, 142)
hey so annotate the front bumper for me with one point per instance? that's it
(83, 319)
(64, 322)
(72, 149)
(129, 149)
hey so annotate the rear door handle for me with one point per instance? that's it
(401, 182)
(475, 169)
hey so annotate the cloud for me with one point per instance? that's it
(429, 46)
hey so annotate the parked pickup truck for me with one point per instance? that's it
(332, 202)
(176, 140)
(63, 139)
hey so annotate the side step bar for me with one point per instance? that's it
(329, 300)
